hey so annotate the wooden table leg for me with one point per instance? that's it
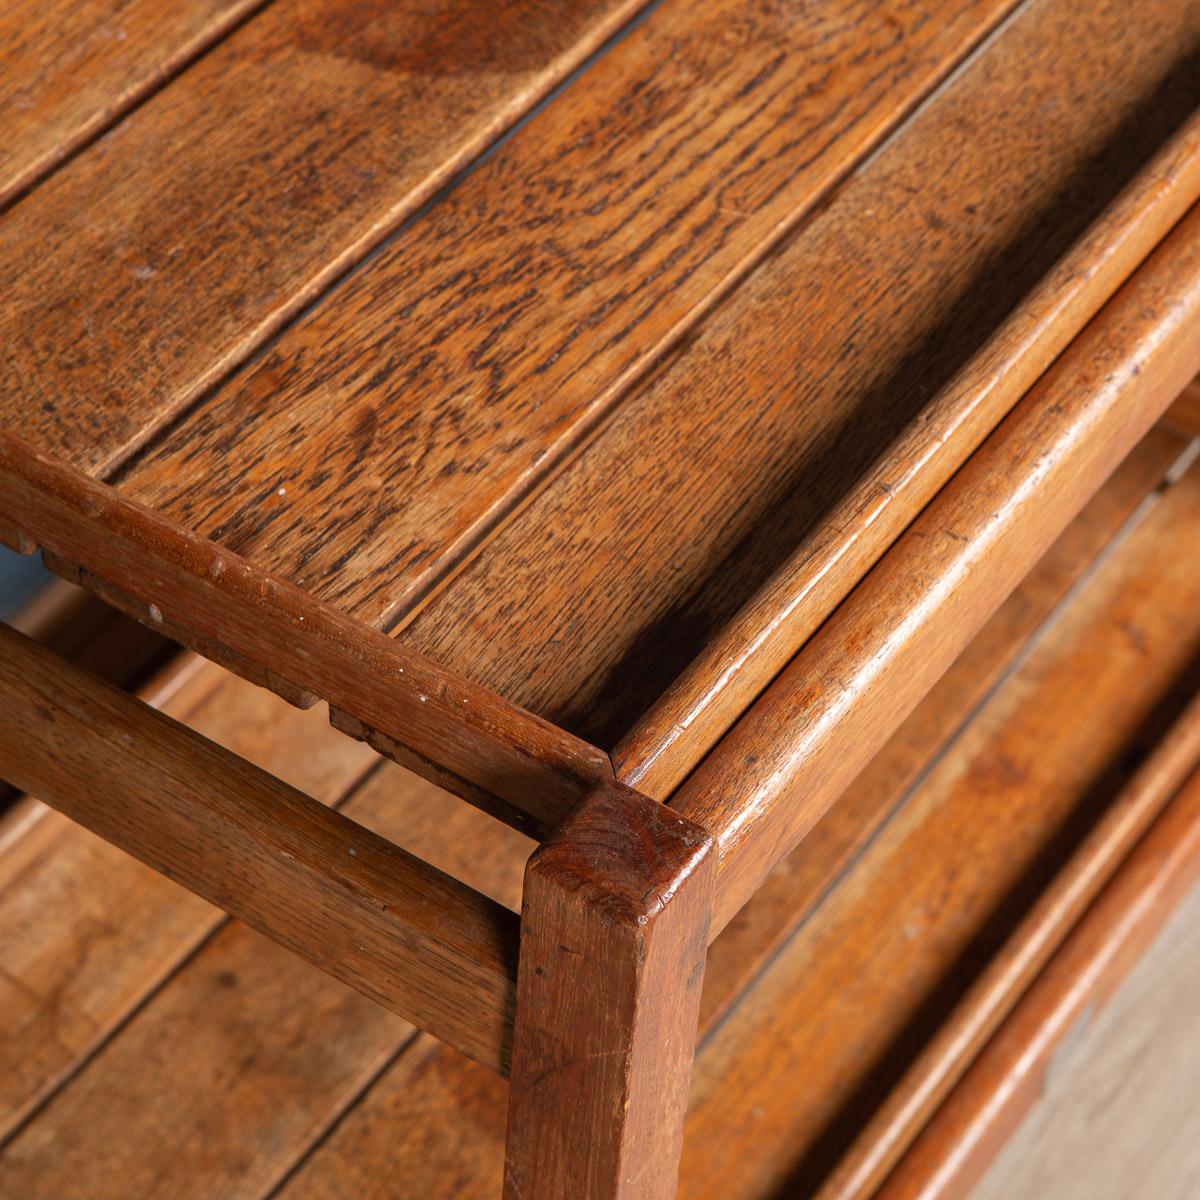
(614, 934)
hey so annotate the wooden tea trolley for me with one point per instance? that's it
(622, 415)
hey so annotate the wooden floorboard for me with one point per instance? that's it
(89, 932)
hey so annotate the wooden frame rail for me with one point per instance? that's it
(403, 933)
(464, 737)
(963, 1136)
(1090, 870)
(760, 791)
(736, 665)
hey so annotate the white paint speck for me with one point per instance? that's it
(156, 614)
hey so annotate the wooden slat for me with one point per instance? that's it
(458, 368)
(772, 626)
(171, 248)
(796, 887)
(1007, 1077)
(1035, 940)
(507, 760)
(398, 930)
(909, 923)
(592, 601)
(284, 1046)
(88, 931)
(762, 788)
(69, 69)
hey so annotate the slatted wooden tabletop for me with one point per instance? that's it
(594, 350)
(685, 391)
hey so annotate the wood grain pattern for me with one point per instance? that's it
(88, 931)
(400, 931)
(70, 69)
(797, 886)
(385, 434)
(759, 792)
(614, 933)
(285, 1047)
(906, 1113)
(904, 926)
(746, 654)
(594, 599)
(157, 260)
(94, 959)
(512, 763)
(1005, 1080)
(812, 1050)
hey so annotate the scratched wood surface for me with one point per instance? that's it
(382, 437)
(157, 259)
(591, 600)
(72, 66)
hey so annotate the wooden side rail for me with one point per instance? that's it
(738, 663)
(462, 736)
(1091, 868)
(415, 940)
(798, 747)
(965, 1134)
